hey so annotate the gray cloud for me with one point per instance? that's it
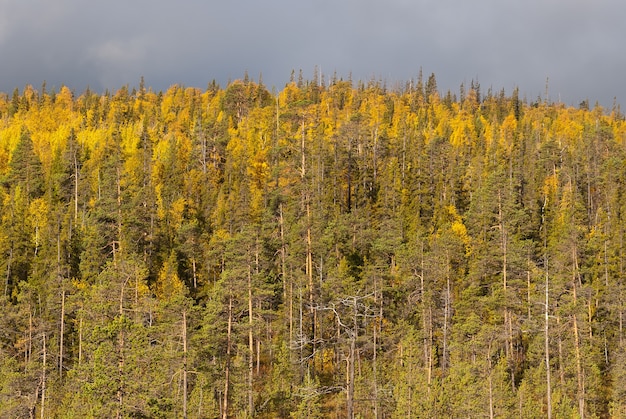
(574, 43)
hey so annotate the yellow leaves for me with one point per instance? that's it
(79, 284)
(567, 128)
(508, 129)
(438, 120)
(65, 99)
(10, 136)
(4, 161)
(458, 229)
(92, 139)
(290, 94)
(619, 131)
(133, 161)
(550, 185)
(489, 134)
(38, 214)
(129, 136)
(177, 211)
(158, 191)
(168, 284)
(462, 130)
(259, 169)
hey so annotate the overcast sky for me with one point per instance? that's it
(575, 45)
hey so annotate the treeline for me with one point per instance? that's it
(334, 249)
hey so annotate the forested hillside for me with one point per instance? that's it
(335, 249)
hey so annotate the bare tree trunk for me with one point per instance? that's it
(287, 285)
(75, 187)
(119, 218)
(61, 333)
(579, 371)
(195, 276)
(546, 312)
(427, 326)
(250, 346)
(43, 379)
(228, 351)
(528, 294)
(8, 275)
(547, 351)
(580, 378)
(377, 331)
(120, 371)
(30, 334)
(490, 383)
(351, 361)
(430, 351)
(446, 319)
(309, 273)
(184, 363)
(80, 337)
(560, 351)
(258, 351)
(508, 323)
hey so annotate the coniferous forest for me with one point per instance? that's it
(336, 249)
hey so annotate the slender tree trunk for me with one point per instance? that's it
(258, 352)
(508, 323)
(619, 287)
(287, 283)
(43, 379)
(377, 331)
(528, 302)
(120, 372)
(301, 331)
(579, 371)
(446, 319)
(80, 337)
(8, 275)
(490, 382)
(119, 214)
(309, 273)
(430, 352)
(309, 251)
(427, 325)
(30, 334)
(580, 378)
(228, 351)
(283, 270)
(184, 363)
(193, 269)
(351, 361)
(75, 187)
(547, 350)
(546, 311)
(250, 347)
(61, 333)
(560, 351)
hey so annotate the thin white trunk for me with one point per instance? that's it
(80, 338)
(228, 350)
(61, 333)
(43, 379)
(446, 320)
(184, 364)
(547, 351)
(250, 347)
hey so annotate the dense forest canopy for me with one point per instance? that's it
(334, 249)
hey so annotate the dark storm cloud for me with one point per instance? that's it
(574, 44)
